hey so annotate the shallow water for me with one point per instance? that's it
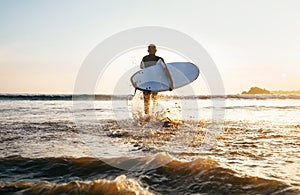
(52, 145)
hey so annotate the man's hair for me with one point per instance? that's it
(151, 46)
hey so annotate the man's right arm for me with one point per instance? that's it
(142, 65)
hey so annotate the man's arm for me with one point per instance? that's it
(162, 59)
(142, 65)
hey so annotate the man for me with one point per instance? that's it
(147, 61)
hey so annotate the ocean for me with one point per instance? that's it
(86, 144)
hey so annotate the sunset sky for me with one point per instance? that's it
(43, 43)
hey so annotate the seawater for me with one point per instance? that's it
(49, 144)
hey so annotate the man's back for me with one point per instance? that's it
(150, 60)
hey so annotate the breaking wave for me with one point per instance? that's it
(86, 175)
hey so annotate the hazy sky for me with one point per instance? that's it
(43, 43)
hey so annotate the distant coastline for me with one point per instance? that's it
(257, 90)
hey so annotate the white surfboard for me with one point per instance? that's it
(164, 77)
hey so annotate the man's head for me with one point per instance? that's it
(152, 49)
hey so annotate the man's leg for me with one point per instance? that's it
(155, 99)
(155, 105)
(146, 102)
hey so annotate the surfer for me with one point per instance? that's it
(147, 61)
